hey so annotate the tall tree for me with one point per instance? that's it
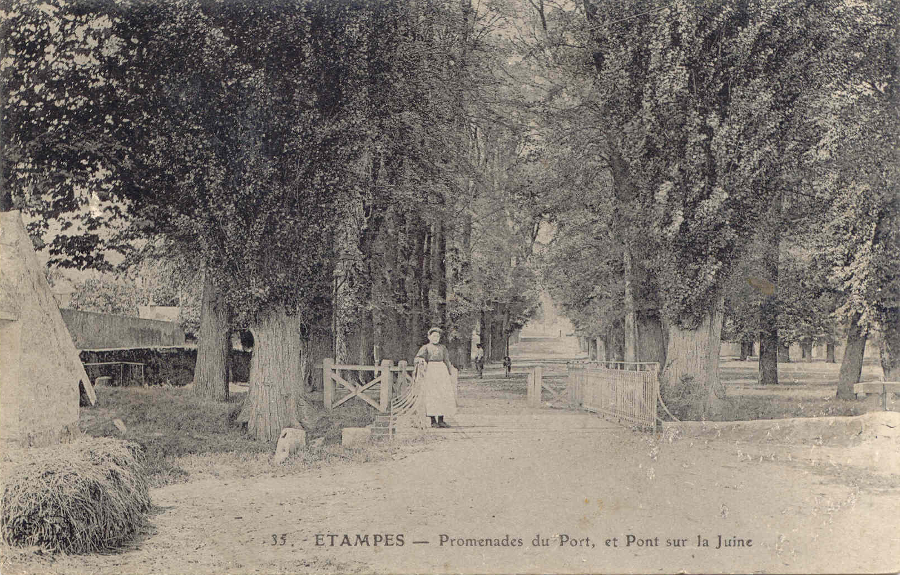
(699, 105)
(859, 240)
(221, 134)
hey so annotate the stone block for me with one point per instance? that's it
(291, 440)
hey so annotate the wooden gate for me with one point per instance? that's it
(620, 391)
(386, 382)
(538, 384)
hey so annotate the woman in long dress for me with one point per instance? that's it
(440, 396)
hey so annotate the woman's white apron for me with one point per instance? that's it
(440, 393)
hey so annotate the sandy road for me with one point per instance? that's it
(533, 476)
(595, 484)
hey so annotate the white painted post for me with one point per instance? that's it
(387, 383)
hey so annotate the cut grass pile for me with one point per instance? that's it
(89, 495)
(175, 428)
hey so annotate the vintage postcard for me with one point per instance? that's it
(449, 286)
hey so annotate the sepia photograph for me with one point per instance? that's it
(449, 287)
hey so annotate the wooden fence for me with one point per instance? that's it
(387, 381)
(538, 384)
(623, 391)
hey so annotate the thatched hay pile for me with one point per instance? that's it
(79, 497)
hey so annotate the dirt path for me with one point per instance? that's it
(528, 476)
(595, 484)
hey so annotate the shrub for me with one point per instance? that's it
(162, 366)
(683, 398)
(85, 496)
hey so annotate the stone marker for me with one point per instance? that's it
(120, 425)
(354, 436)
(289, 442)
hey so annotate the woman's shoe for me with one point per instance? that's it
(435, 424)
(443, 423)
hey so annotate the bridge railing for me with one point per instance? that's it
(623, 391)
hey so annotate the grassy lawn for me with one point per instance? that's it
(805, 389)
(184, 436)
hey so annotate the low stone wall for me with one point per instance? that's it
(97, 331)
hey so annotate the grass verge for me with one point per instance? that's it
(184, 436)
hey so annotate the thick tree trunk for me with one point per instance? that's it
(601, 348)
(768, 345)
(465, 352)
(366, 339)
(829, 353)
(784, 352)
(350, 283)
(768, 311)
(615, 342)
(651, 340)
(345, 305)
(890, 347)
(497, 346)
(275, 399)
(484, 332)
(851, 366)
(213, 345)
(693, 358)
(744, 353)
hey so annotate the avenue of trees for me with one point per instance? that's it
(736, 166)
(329, 172)
(335, 177)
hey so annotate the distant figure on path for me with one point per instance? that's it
(507, 363)
(440, 395)
(479, 359)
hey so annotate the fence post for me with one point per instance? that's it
(327, 383)
(387, 384)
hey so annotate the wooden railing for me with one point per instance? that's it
(387, 381)
(624, 391)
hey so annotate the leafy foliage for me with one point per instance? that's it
(61, 144)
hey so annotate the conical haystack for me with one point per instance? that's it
(40, 371)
